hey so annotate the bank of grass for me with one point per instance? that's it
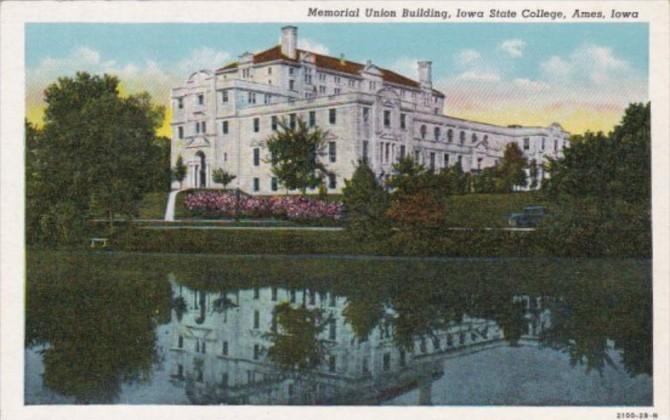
(489, 210)
(447, 243)
(153, 205)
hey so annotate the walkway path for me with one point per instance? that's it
(169, 209)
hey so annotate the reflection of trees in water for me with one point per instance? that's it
(98, 328)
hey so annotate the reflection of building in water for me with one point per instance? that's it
(220, 347)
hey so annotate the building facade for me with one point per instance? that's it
(222, 118)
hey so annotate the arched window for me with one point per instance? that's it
(462, 137)
(423, 132)
(436, 132)
(474, 137)
(450, 135)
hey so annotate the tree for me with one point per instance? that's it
(220, 176)
(366, 203)
(94, 153)
(511, 171)
(296, 153)
(179, 170)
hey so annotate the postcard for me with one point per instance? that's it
(335, 208)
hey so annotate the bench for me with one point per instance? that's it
(99, 241)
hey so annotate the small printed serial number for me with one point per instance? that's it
(633, 415)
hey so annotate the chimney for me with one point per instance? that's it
(425, 74)
(289, 41)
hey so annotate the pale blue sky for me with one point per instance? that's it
(473, 63)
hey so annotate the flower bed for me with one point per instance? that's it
(295, 208)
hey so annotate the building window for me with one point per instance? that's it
(267, 98)
(292, 119)
(474, 137)
(312, 118)
(372, 85)
(432, 161)
(322, 90)
(252, 97)
(460, 160)
(337, 91)
(332, 115)
(403, 121)
(257, 351)
(224, 96)
(180, 342)
(542, 146)
(332, 151)
(291, 84)
(417, 156)
(365, 151)
(180, 132)
(423, 131)
(257, 320)
(366, 115)
(201, 99)
(387, 118)
(402, 151)
(332, 330)
(332, 181)
(526, 143)
(450, 340)
(197, 127)
(224, 127)
(257, 184)
(387, 152)
(257, 156)
(436, 133)
(291, 71)
(446, 160)
(257, 293)
(450, 135)
(224, 348)
(274, 294)
(274, 122)
(387, 361)
(332, 361)
(180, 103)
(257, 125)
(274, 184)
(462, 137)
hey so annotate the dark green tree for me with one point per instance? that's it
(220, 176)
(366, 203)
(511, 170)
(296, 155)
(95, 152)
(179, 170)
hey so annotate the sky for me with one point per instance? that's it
(581, 75)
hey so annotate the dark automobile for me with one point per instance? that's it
(530, 217)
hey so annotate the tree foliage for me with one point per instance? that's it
(179, 170)
(511, 170)
(220, 176)
(366, 203)
(97, 151)
(296, 155)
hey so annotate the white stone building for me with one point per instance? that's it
(222, 118)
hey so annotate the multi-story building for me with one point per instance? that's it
(222, 118)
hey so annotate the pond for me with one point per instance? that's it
(114, 328)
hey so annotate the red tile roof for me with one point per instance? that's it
(330, 63)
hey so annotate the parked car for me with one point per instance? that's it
(530, 217)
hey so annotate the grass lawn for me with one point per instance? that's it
(487, 210)
(153, 205)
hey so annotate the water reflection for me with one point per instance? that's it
(346, 340)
